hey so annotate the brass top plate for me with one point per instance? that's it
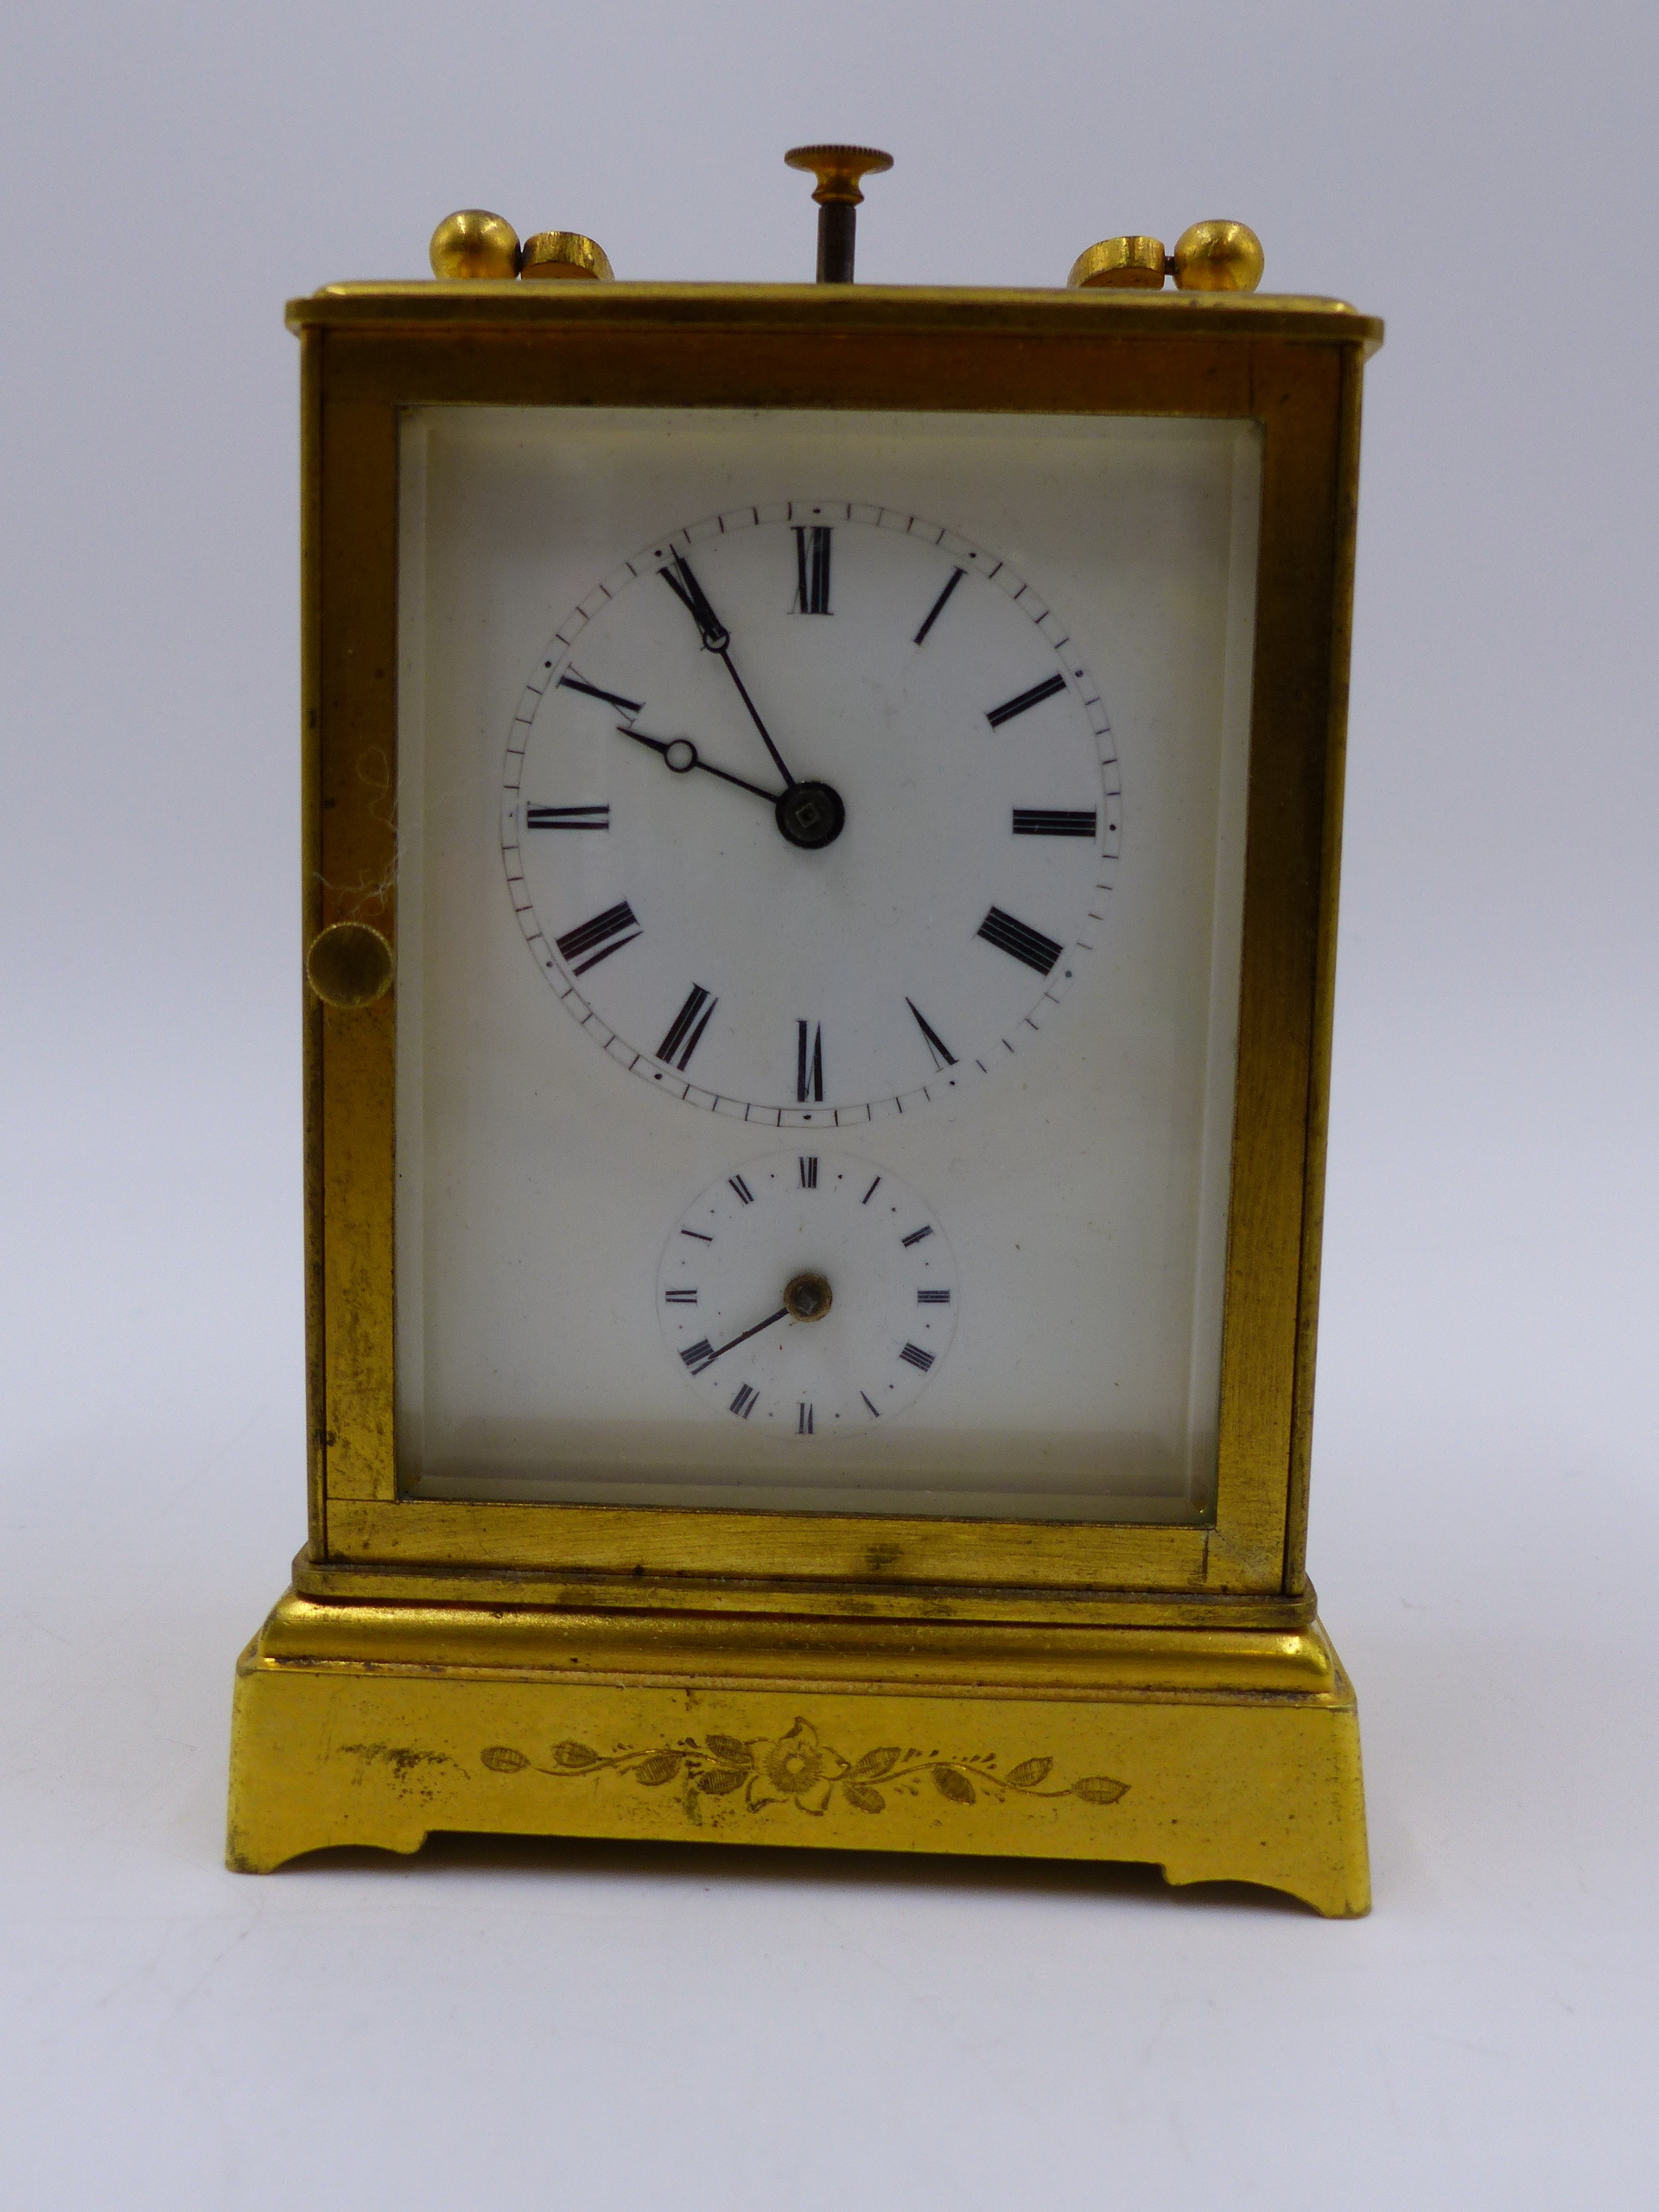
(484, 304)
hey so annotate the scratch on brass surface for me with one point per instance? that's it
(404, 1761)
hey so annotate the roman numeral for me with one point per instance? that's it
(932, 1298)
(918, 1235)
(598, 939)
(679, 1297)
(1035, 697)
(567, 817)
(870, 1193)
(916, 1357)
(804, 1424)
(681, 1031)
(813, 570)
(1054, 822)
(809, 1071)
(572, 682)
(809, 1174)
(698, 1234)
(943, 1057)
(742, 1188)
(933, 615)
(1009, 936)
(686, 588)
(744, 1403)
(866, 1396)
(699, 1356)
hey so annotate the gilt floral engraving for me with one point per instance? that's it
(799, 1769)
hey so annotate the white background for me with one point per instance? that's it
(506, 2026)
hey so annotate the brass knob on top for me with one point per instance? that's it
(1213, 256)
(1218, 256)
(474, 243)
(1121, 263)
(565, 253)
(838, 169)
(349, 964)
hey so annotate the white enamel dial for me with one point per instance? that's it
(812, 1294)
(811, 812)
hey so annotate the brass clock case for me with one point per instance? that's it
(1188, 1653)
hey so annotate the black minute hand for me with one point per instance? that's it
(717, 639)
(684, 586)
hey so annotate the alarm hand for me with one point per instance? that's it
(717, 639)
(782, 1314)
(682, 756)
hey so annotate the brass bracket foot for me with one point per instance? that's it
(1214, 1754)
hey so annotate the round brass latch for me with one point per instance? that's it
(1218, 256)
(474, 242)
(349, 964)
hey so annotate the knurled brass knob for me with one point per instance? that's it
(474, 243)
(564, 253)
(1213, 256)
(838, 169)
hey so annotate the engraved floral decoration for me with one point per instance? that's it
(801, 1769)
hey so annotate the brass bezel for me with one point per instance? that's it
(1293, 366)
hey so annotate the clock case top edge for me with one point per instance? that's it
(512, 305)
(369, 352)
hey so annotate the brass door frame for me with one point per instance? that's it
(369, 351)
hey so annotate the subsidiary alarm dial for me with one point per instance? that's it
(813, 1293)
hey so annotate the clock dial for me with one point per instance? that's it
(811, 812)
(811, 1294)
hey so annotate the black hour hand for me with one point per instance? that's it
(682, 756)
(686, 588)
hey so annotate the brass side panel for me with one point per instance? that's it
(1295, 396)
(311, 917)
(1345, 528)
(346, 1733)
(355, 838)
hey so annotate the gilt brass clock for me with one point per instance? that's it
(821, 818)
